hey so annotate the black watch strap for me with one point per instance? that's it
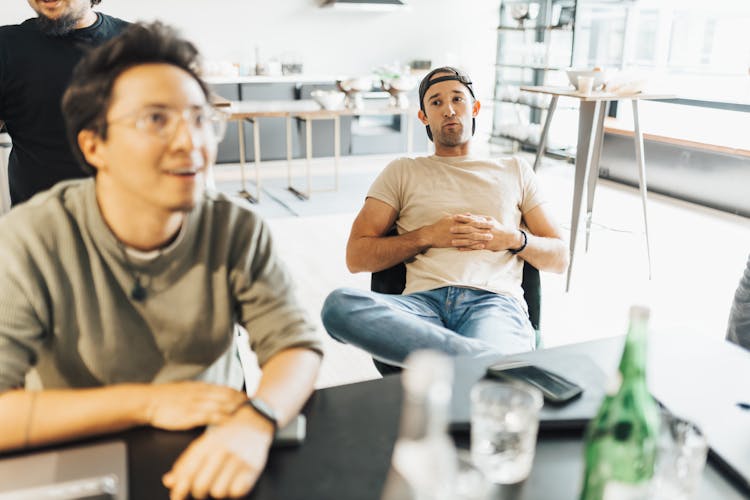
(265, 411)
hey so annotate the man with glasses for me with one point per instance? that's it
(37, 58)
(465, 226)
(122, 291)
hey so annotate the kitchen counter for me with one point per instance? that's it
(302, 77)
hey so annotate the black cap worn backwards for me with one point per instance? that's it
(428, 82)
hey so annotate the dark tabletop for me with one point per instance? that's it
(351, 431)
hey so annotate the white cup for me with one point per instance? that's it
(585, 84)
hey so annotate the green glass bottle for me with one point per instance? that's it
(621, 440)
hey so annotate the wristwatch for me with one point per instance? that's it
(262, 409)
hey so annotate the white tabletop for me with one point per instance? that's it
(596, 95)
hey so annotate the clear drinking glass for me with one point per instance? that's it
(471, 483)
(504, 425)
(681, 457)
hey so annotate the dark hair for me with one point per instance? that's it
(456, 74)
(89, 94)
(95, 2)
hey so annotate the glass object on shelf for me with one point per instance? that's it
(522, 12)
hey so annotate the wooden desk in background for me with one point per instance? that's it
(303, 110)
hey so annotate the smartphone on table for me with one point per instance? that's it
(555, 388)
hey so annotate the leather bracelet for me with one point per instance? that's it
(525, 241)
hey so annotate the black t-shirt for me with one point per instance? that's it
(35, 70)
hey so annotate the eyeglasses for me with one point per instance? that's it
(162, 121)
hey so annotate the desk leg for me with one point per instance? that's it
(641, 176)
(586, 121)
(336, 148)
(288, 151)
(308, 148)
(256, 146)
(409, 134)
(241, 136)
(308, 157)
(594, 170)
(545, 130)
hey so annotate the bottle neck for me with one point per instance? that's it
(633, 362)
(424, 415)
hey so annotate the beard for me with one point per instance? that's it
(61, 26)
(450, 138)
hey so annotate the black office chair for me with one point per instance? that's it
(393, 281)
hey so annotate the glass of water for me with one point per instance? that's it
(680, 460)
(504, 425)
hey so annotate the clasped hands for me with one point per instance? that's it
(469, 231)
(228, 458)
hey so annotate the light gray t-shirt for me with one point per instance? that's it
(65, 305)
(422, 190)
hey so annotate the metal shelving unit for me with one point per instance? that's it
(528, 53)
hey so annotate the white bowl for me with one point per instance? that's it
(357, 84)
(600, 77)
(328, 99)
(404, 83)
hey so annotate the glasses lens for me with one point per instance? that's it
(156, 121)
(164, 122)
(219, 124)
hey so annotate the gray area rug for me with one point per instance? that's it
(277, 201)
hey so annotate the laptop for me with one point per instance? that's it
(92, 472)
(576, 367)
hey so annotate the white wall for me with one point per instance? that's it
(328, 42)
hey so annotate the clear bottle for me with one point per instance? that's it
(621, 441)
(424, 463)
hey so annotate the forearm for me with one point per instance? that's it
(375, 253)
(546, 254)
(37, 418)
(288, 380)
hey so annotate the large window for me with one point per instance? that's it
(694, 48)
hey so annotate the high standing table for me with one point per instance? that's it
(591, 114)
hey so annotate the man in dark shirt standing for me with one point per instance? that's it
(37, 58)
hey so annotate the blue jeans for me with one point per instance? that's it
(454, 320)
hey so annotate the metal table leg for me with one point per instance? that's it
(594, 170)
(638, 136)
(241, 136)
(308, 157)
(256, 146)
(409, 134)
(305, 195)
(336, 149)
(288, 151)
(545, 130)
(586, 121)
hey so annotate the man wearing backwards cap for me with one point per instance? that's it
(465, 226)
